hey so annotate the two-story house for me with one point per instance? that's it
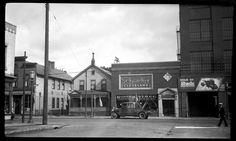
(92, 91)
(59, 85)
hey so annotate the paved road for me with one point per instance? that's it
(134, 128)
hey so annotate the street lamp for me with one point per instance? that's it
(32, 75)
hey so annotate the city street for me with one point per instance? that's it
(133, 128)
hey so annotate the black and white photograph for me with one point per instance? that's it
(104, 70)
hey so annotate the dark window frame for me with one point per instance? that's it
(201, 33)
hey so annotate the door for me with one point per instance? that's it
(17, 102)
(168, 107)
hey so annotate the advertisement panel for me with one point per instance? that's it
(135, 81)
(187, 84)
(200, 84)
(209, 84)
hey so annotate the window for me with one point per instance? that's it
(5, 57)
(104, 85)
(201, 62)
(62, 102)
(228, 61)
(63, 85)
(93, 72)
(81, 85)
(53, 84)
(227, 28)
(58, 86)
(58, 102)
(93, 84)
(53, 102)
(200, 30)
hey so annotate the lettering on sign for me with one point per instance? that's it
(135, 81)
(187, 83)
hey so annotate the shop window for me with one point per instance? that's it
(200, 30)
(81, 85)
(93, 84)
(104, 85)
(227, 28)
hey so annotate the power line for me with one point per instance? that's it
(62, 33)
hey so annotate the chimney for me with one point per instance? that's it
(93, 60)
(51, 64)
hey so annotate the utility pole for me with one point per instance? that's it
(45, 97)
(23, 114)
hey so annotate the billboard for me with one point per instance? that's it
(209, 84)
(200, 84)
(135, 81)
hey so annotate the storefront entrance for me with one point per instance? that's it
(202, 104)
(168, 107)
(17, 104)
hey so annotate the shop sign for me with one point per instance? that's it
(135, 81)
(209, 84)
(187, 83)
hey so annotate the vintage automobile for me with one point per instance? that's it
(130, 109)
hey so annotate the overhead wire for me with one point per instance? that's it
(62, 33)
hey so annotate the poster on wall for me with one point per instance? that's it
(135, 81)
(209, 84)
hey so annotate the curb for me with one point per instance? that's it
(41, 127)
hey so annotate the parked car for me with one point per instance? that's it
(130, 109)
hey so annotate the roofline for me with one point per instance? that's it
(147, 62)
(87, 69)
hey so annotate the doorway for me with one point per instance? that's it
(168, 107)
(17, 104)
(202, 104)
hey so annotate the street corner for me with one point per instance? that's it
(30, 127)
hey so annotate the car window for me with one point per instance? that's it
(130, 105)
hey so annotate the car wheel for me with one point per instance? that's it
(142, 115)
(114, 115)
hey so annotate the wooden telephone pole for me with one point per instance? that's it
(45, 97)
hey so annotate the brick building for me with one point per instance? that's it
(206, 43)
(155, 83)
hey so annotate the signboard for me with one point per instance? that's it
(187, 83)
(135, 81)
(209, 84)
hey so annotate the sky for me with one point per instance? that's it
(131, 32)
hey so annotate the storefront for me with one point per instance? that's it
(154, 83)
(200, 96)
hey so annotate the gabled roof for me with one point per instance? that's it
(107, 73)
(53, 73)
